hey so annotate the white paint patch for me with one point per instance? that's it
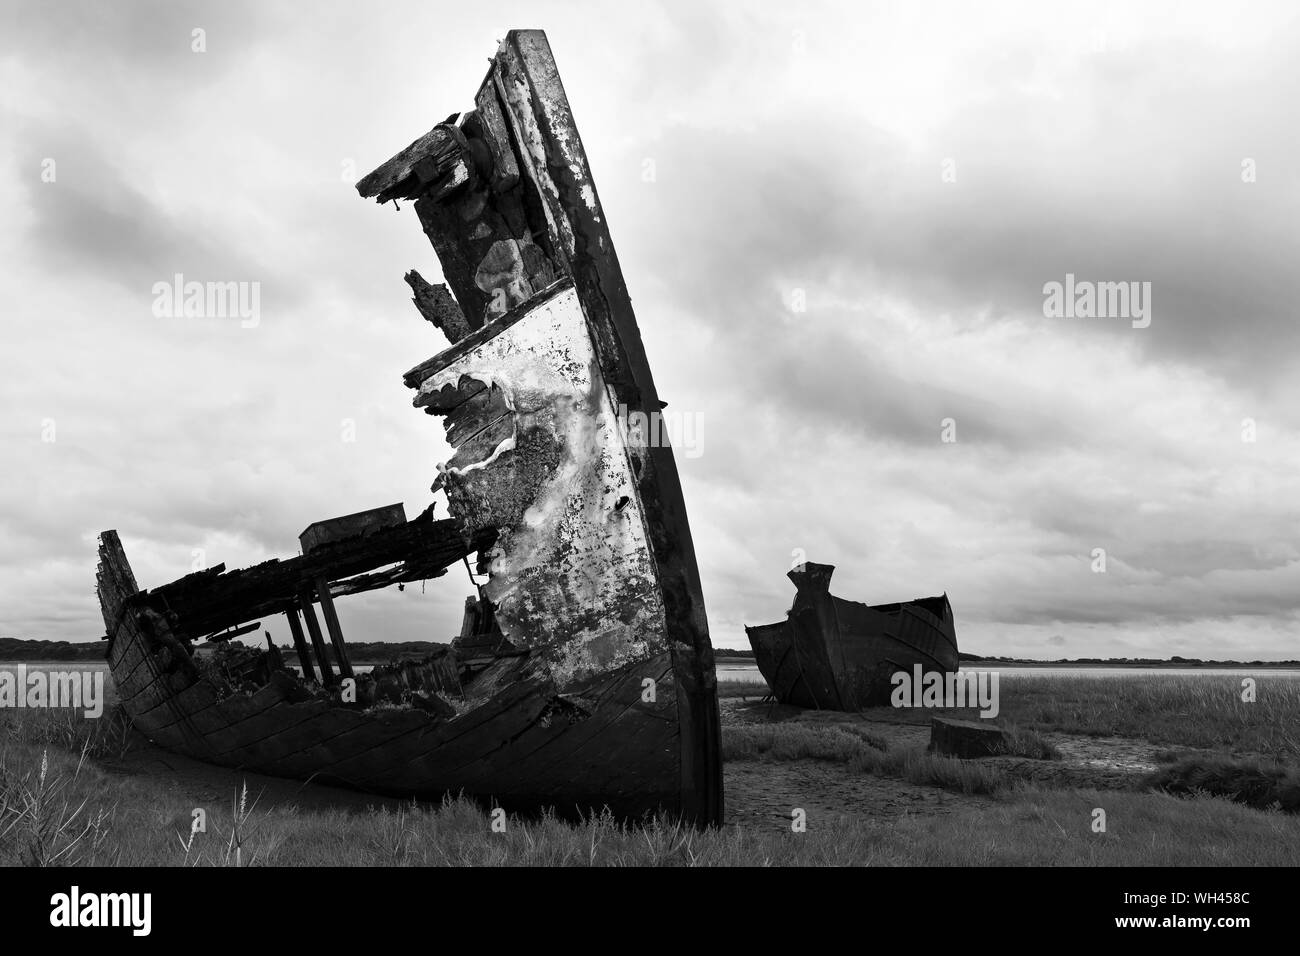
(576, 556)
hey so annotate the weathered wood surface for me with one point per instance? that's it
(358, 525)
(333, 627)
(501, 241)
(300, 644)
(438, 163)
(833, 654)
(317, 638)
(439, 306)
(214, 599)
(521, 744)
(527, 80)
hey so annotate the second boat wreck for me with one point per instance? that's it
(583, 676)
(833, 654)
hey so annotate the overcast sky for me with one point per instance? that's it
(836, 223)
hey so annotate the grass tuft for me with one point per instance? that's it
(796, 741)
(1255, 783)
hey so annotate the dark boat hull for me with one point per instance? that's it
(511, 748)
(833, 654)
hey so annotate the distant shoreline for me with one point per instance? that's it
(374, 653)
(1134, 664)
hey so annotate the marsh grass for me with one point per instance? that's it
(1255, 783)
(108, 736)
(916, 765)
(59, 808)
(46, 818)
(862, 752)
(243, 826)
(1021, 742)
(796, 741)
(1194, 711)
(744, 688)
(1028, 827)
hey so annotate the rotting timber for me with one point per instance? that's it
(583, 676)
(833, 654)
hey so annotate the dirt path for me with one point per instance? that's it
(765, 794)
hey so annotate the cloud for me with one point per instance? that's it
(813, 295)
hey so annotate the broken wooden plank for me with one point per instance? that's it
(439, 306)
(491, 125)
(300, 644)
(438, 163)
(232, 632)
(317, 639)
(271, 587)
(332, 625)
(357, 525)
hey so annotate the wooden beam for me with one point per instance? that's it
(300, 644)
(438, 163)
(233, 632)
(332, 623)
(205, 603)
(439, 306)
(317, 640)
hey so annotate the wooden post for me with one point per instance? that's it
(317, 641)
(332, 623)
(300, 644)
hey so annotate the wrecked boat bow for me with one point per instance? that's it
(833, 654)
(583, 676)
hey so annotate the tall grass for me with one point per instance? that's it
(58, 808)
(1027, 827)
(45, 821)
(108, 736)
(1201, 711)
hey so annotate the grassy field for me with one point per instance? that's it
(58, 806)
(1202, 711)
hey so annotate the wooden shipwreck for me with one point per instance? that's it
(833, 654)
(583, 677)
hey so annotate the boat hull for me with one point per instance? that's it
(833, 654)
(513, 748)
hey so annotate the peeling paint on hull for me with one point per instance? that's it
(572, 575)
